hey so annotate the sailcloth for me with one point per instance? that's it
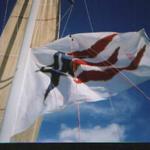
(83, 67)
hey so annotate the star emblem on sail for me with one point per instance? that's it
(91, 67)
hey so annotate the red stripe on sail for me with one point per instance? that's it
(110, 61)
(95, 49)
(108, 74)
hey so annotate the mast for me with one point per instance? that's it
(11, 40)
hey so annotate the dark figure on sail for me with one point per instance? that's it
(55, 75)
(66, 64)
(56, 70)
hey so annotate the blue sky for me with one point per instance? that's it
(124, 117)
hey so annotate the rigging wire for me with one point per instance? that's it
(78, 121)
(77, 105)
(65, 26)
(64, 15)
(91, 26)
(88, 15)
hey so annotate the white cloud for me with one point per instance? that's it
(111, 133)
